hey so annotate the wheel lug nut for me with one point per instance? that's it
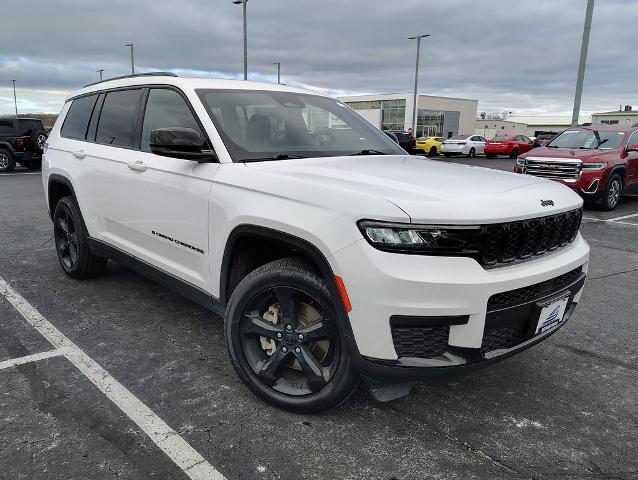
(300, 337)
(298, 350)
(288, 327)
(279, 335)
(284, 349)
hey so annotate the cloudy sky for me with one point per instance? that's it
(518, 55)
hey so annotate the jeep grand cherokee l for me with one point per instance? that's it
(599, 161)
(332, 255)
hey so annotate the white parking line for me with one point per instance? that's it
(30, 358)
(614, 219)
(167, 439)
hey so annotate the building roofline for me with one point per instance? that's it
(406, 94)
(618, 112)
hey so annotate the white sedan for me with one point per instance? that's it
(470, 145)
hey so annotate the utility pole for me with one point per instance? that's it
(243, 3)
(416, 80)
(278, 71)
(100, 72)
(583, 62)
(132, 58)
(15, 99)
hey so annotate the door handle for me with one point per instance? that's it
(79, 154)
(138, 166)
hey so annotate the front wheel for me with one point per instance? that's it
(283, 340)
(611, 196)
(514, 153)
(472, 153)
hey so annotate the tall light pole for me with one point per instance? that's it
(132, 58)
(100, 72)
(243, 3)
(416, 79)
(583, 62)
(15, 99)
(278, 71)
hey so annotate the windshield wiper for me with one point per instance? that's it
(280, 156)
(368, 151)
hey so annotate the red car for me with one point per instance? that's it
(508, 144)
(599, 161)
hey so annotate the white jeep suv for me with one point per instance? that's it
(332, 255)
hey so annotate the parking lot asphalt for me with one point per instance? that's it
(566, 408)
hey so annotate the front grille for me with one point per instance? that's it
(420, 342)
(532, 292)
(508, 242)
(553, 168)
(504, 337)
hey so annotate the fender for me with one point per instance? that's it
(6, 146)
(57, 178)
(307, 248)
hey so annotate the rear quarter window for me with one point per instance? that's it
(6, 127)
(77, 119)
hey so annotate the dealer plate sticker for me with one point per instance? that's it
(551, 315)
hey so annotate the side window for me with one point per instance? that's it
(6, 127)
(77, 118)
(118, 120)
(633, 140)
(166, 108)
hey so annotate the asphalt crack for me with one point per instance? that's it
(614, 274)
(597, 356)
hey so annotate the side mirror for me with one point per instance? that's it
(633, 148)
(180, 142)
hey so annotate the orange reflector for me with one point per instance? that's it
(344, 293)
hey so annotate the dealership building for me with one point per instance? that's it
(437, 116)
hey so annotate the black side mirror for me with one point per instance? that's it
(180, 142)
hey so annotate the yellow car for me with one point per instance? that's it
(429, 145)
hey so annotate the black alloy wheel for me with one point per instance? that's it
(66, 238)
(283, 339)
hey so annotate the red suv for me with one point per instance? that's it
(508, 144)
(598, 161)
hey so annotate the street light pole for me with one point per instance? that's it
(132, 58)
(15, 99)
(583, 62)
(100, 72)
(243, 3)
(278, 71)
(416, 80)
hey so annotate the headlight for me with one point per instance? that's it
(520, 162)
(593, 166)
(424, 239)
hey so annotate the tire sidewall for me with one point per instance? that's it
(605, 199)
(12, 163)
(342, 383)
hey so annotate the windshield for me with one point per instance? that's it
(260, 125)
(588, 140)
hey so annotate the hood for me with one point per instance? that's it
(571, 154)
(427, 190)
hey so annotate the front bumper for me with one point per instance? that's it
(383, 285)
(589, 183)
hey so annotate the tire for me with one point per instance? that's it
(514, 153)
(7, 161)
(36, 141)
(433, 152)
(611, 195)
(275, 362)
(471, 153)
(490, 155)
(70, 238)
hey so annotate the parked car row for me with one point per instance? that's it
(21, 142)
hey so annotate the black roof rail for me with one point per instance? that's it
(148, 74)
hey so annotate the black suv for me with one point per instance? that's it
(21, 141)
(405, 139)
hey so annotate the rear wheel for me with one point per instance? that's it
(7, 162)
(70, 235)
(447, 155)
(611, 196)
(433, 152)
(283, 340)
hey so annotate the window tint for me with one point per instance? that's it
(117, 125)
(77, 119)
(166, 108)
(633, 140)
(6, 127)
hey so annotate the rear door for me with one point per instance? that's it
(478, 143)
(632, 159)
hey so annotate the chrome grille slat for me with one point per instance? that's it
(553, 168)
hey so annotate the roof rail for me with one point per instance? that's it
(148, 74)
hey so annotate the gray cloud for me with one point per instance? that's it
(519, 56)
